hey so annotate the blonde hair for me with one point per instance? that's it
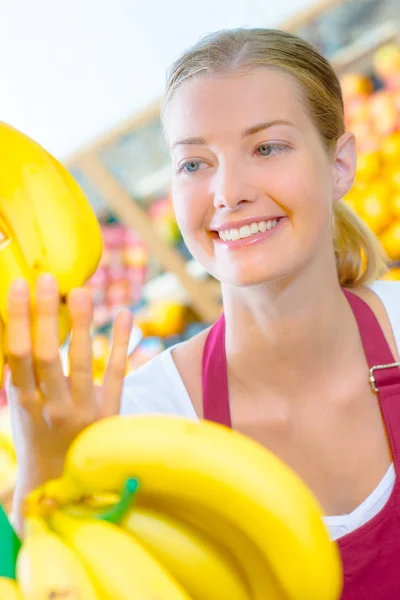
(360, 258)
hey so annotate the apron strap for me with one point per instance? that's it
(384, 370)
(215, 376)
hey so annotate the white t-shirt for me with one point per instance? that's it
(157, 387)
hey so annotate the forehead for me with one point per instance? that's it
(233, 102)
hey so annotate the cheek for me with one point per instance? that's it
(307, 187)
(190, 207)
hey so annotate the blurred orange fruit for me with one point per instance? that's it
(395, 205)
(390, 240)
(395, 177)
(374, 207)
(368, 165)
(390, 147)
(351, 201)
(392, 275)
(353, 84)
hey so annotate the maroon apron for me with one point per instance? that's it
(371, 553)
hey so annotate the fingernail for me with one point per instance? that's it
(80, 298)
(19, 289)
(125, 319)
(47, 282)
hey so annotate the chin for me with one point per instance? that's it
(254, 277)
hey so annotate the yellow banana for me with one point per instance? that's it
(203, 568)
(46, 222)
(2, 345)
(230, 475)
(260, 578)
(48, 568)
(8, 470)
(9, 589)
(121, 567)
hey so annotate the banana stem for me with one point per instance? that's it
(118, 512)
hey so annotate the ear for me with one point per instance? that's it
(344, 166)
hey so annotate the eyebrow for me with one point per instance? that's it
(199, 141)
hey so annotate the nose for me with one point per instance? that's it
(232, 187)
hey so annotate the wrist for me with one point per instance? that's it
(37, 469)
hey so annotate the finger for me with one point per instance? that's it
(80, 350)
(19, 343)
(47, 361)
(115, 372)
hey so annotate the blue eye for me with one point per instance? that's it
(192, 166)
(271, 149)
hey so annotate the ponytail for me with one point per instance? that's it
(360, 258)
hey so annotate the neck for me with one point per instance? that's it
(276, 330)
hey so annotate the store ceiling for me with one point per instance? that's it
(71, 69)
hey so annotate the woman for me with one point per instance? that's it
(261, 162)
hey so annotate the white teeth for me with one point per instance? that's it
(262, 226)
(246, 230)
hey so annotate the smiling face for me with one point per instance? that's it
(253, 186)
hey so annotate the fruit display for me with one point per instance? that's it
(162, 215)
(166, 507)
(122, 272)
(46, 224)
(372, 113)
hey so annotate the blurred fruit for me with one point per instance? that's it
(390, 240)
(392, 275)
(354, 84)
(374, 207)
(390, 147)
(351, 201)
(395, 205)
(368, 165)
(162, 214)
(143, 322)
(383, 112)
(357, 109)
(392, 83)
(101, 351)
(395, 176)
(386, 60)
(166, 317)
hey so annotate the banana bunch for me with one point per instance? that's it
(215, 516)
(8, 459)
(9, 589)
(46, 225)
